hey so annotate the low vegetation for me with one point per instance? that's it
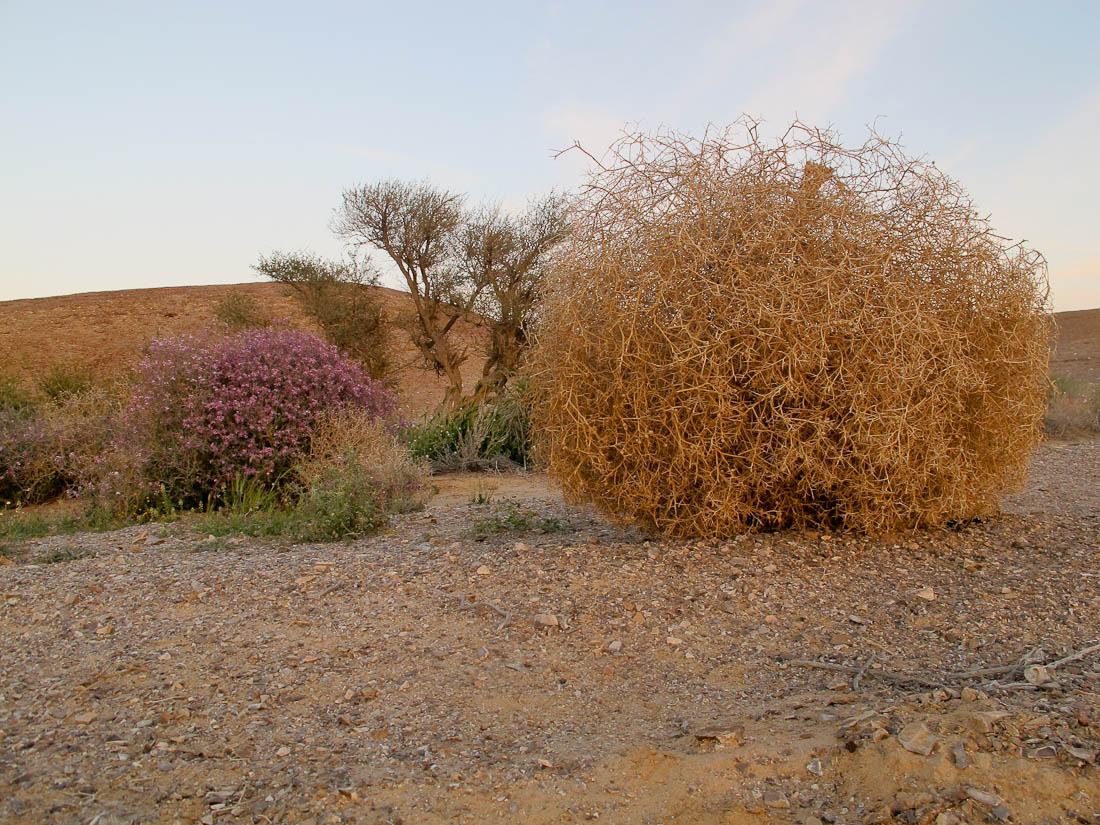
(477, 436)
(510, 516)
(743, 334)
(263, 431)
(1073, 407)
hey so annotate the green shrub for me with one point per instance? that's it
(509, 516)
(13, 396)
(62, 382)
(476, 436)
(239, 310)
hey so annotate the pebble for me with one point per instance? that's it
(675, 642)
(983, 722)
(1037, 674)
(927, 594)
(815, 768)
(1043, 752)
(614, 646)
(916, 738)
(546, 620)
(984, 797)
(753, 804)
(776, 799)
(958, 752)
(483, 571)
(1083, 754)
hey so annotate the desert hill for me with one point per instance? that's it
(103, 333)
(1077, 353)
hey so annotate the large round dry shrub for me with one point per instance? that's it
(743, 334)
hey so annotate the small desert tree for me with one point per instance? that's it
(340, 298)
(415, 225)
(457, 264)
(505, 257)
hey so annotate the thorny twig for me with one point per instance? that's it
(507, 614)
(949, 678)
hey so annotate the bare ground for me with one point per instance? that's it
(170, 677)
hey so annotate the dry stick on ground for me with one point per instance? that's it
(869, 662)
(904, 679)
(884, 675)
(507, 614)
(1073, 657)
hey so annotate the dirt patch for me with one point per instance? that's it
(572, 672)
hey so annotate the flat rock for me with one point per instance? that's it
(917, 738)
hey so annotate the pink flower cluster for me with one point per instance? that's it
(210, 409)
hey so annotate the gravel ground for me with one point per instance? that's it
(561, 670)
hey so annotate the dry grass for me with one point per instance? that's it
(381, 462)
(752, 335)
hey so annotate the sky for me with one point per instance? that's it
(163, 144)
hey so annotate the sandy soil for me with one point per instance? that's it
(1077, 353)
(504, 657)
(103, 334)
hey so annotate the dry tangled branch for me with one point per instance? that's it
(744, 334)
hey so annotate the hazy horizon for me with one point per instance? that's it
(150, 146)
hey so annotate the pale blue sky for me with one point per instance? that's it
(158, 144)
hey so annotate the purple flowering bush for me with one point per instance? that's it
(210, 410)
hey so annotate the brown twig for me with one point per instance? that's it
(507, 614)
(1073, 657)
(884, 675)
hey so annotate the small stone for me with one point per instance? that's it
(1043, 752)
(854, 619)
(85, 718)
(984, 797)
(815, 768)
(771, 619)
(776, 799)
(880, 816)
(958, 752)
(916, 738)
(752, 803)
(926, 594)
(770, 568)
(1037, 674)
(519, 547)
(1001, 813)
(984, 721)
(1084, 754)
(1083, 718)
(947, 818)
(614, 646)
(283, 751)
(675, 642)
(483, 571)
(546, 620)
